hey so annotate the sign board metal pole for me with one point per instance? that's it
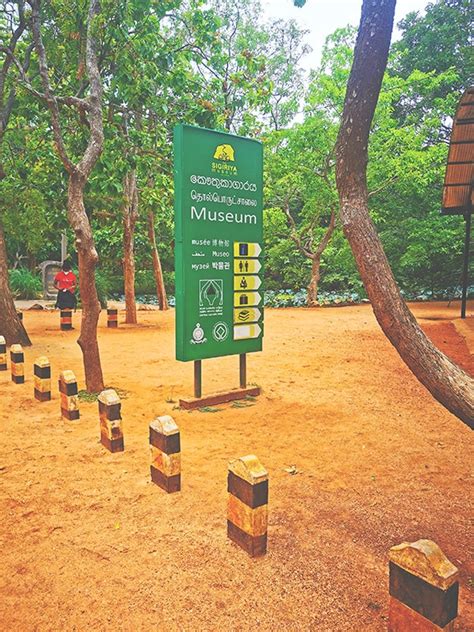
(197, 378)
(465, 271)
(243, 370)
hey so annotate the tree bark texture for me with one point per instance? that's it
(157, 270)
(78, 176)
(451, 386)
(312, 299)
(130, 216)
(316, 261)
(11, 326)
(87, 259)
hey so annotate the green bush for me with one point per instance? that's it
(103, 286)
(25, 284)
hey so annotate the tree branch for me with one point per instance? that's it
(48, 94)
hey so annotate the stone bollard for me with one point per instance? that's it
(66, 319)
(112, 317)
(424, 588)
(247, 505)
(3, 354)
(42, 377)
(111, 434)
(17, 361)
(165, 448)
(68, 391)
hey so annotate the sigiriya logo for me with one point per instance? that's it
(224, 156)
(224, 152)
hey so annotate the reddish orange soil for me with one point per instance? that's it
(88, 543)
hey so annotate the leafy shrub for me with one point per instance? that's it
(103, 286)
(290, 298)
(25, 284)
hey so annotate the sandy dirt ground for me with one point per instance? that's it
(87, 542)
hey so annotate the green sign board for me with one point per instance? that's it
(218, 246)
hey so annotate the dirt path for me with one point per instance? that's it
(88, 543)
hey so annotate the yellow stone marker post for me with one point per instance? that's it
(247, 505)
(111, 432)
(17, 362)
(68, 392)
(112, 318)
(66, 319)
(424, 588)
(3, 354)
(165, 449)
(42, 379)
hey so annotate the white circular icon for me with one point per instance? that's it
(198, 333)
(220, 331)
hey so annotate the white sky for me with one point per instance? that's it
(323, 17)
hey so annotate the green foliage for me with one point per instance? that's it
(25, 284)
(103, 286)
(218, 64)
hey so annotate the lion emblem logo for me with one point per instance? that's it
(224, 152)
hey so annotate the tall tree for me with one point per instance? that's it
(445, 380)
(90, 112)
(13, 21)
(130, 216)
(300, 181)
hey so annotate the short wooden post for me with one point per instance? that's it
(68, 391)
(247, 505)
(42, 379)
(20, 316)
(17, 362)
(424, 588)
(165, 448)
(111, 433)
(66, 319)
(3, 354)
(112, 318)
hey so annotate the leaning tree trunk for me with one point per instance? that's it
(158, 272)
(88, 259)
(312, 300)
(11, 326)
(130, 215)
(445, 380)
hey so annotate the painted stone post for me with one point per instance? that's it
(68, 391)
(3, 354)
(247, 505)
(111, 432)
(112, 318)
(66, 319)
(42, 378)
(165, 448)
(17, 361)
(424, 588)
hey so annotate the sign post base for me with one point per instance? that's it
(192, 403)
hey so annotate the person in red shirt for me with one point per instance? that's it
(65, 282)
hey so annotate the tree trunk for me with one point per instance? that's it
(451, 386)
(130, 215)
(11, 326)
(78, 176)
(88, 258)
(312, 299)
(160, 284)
